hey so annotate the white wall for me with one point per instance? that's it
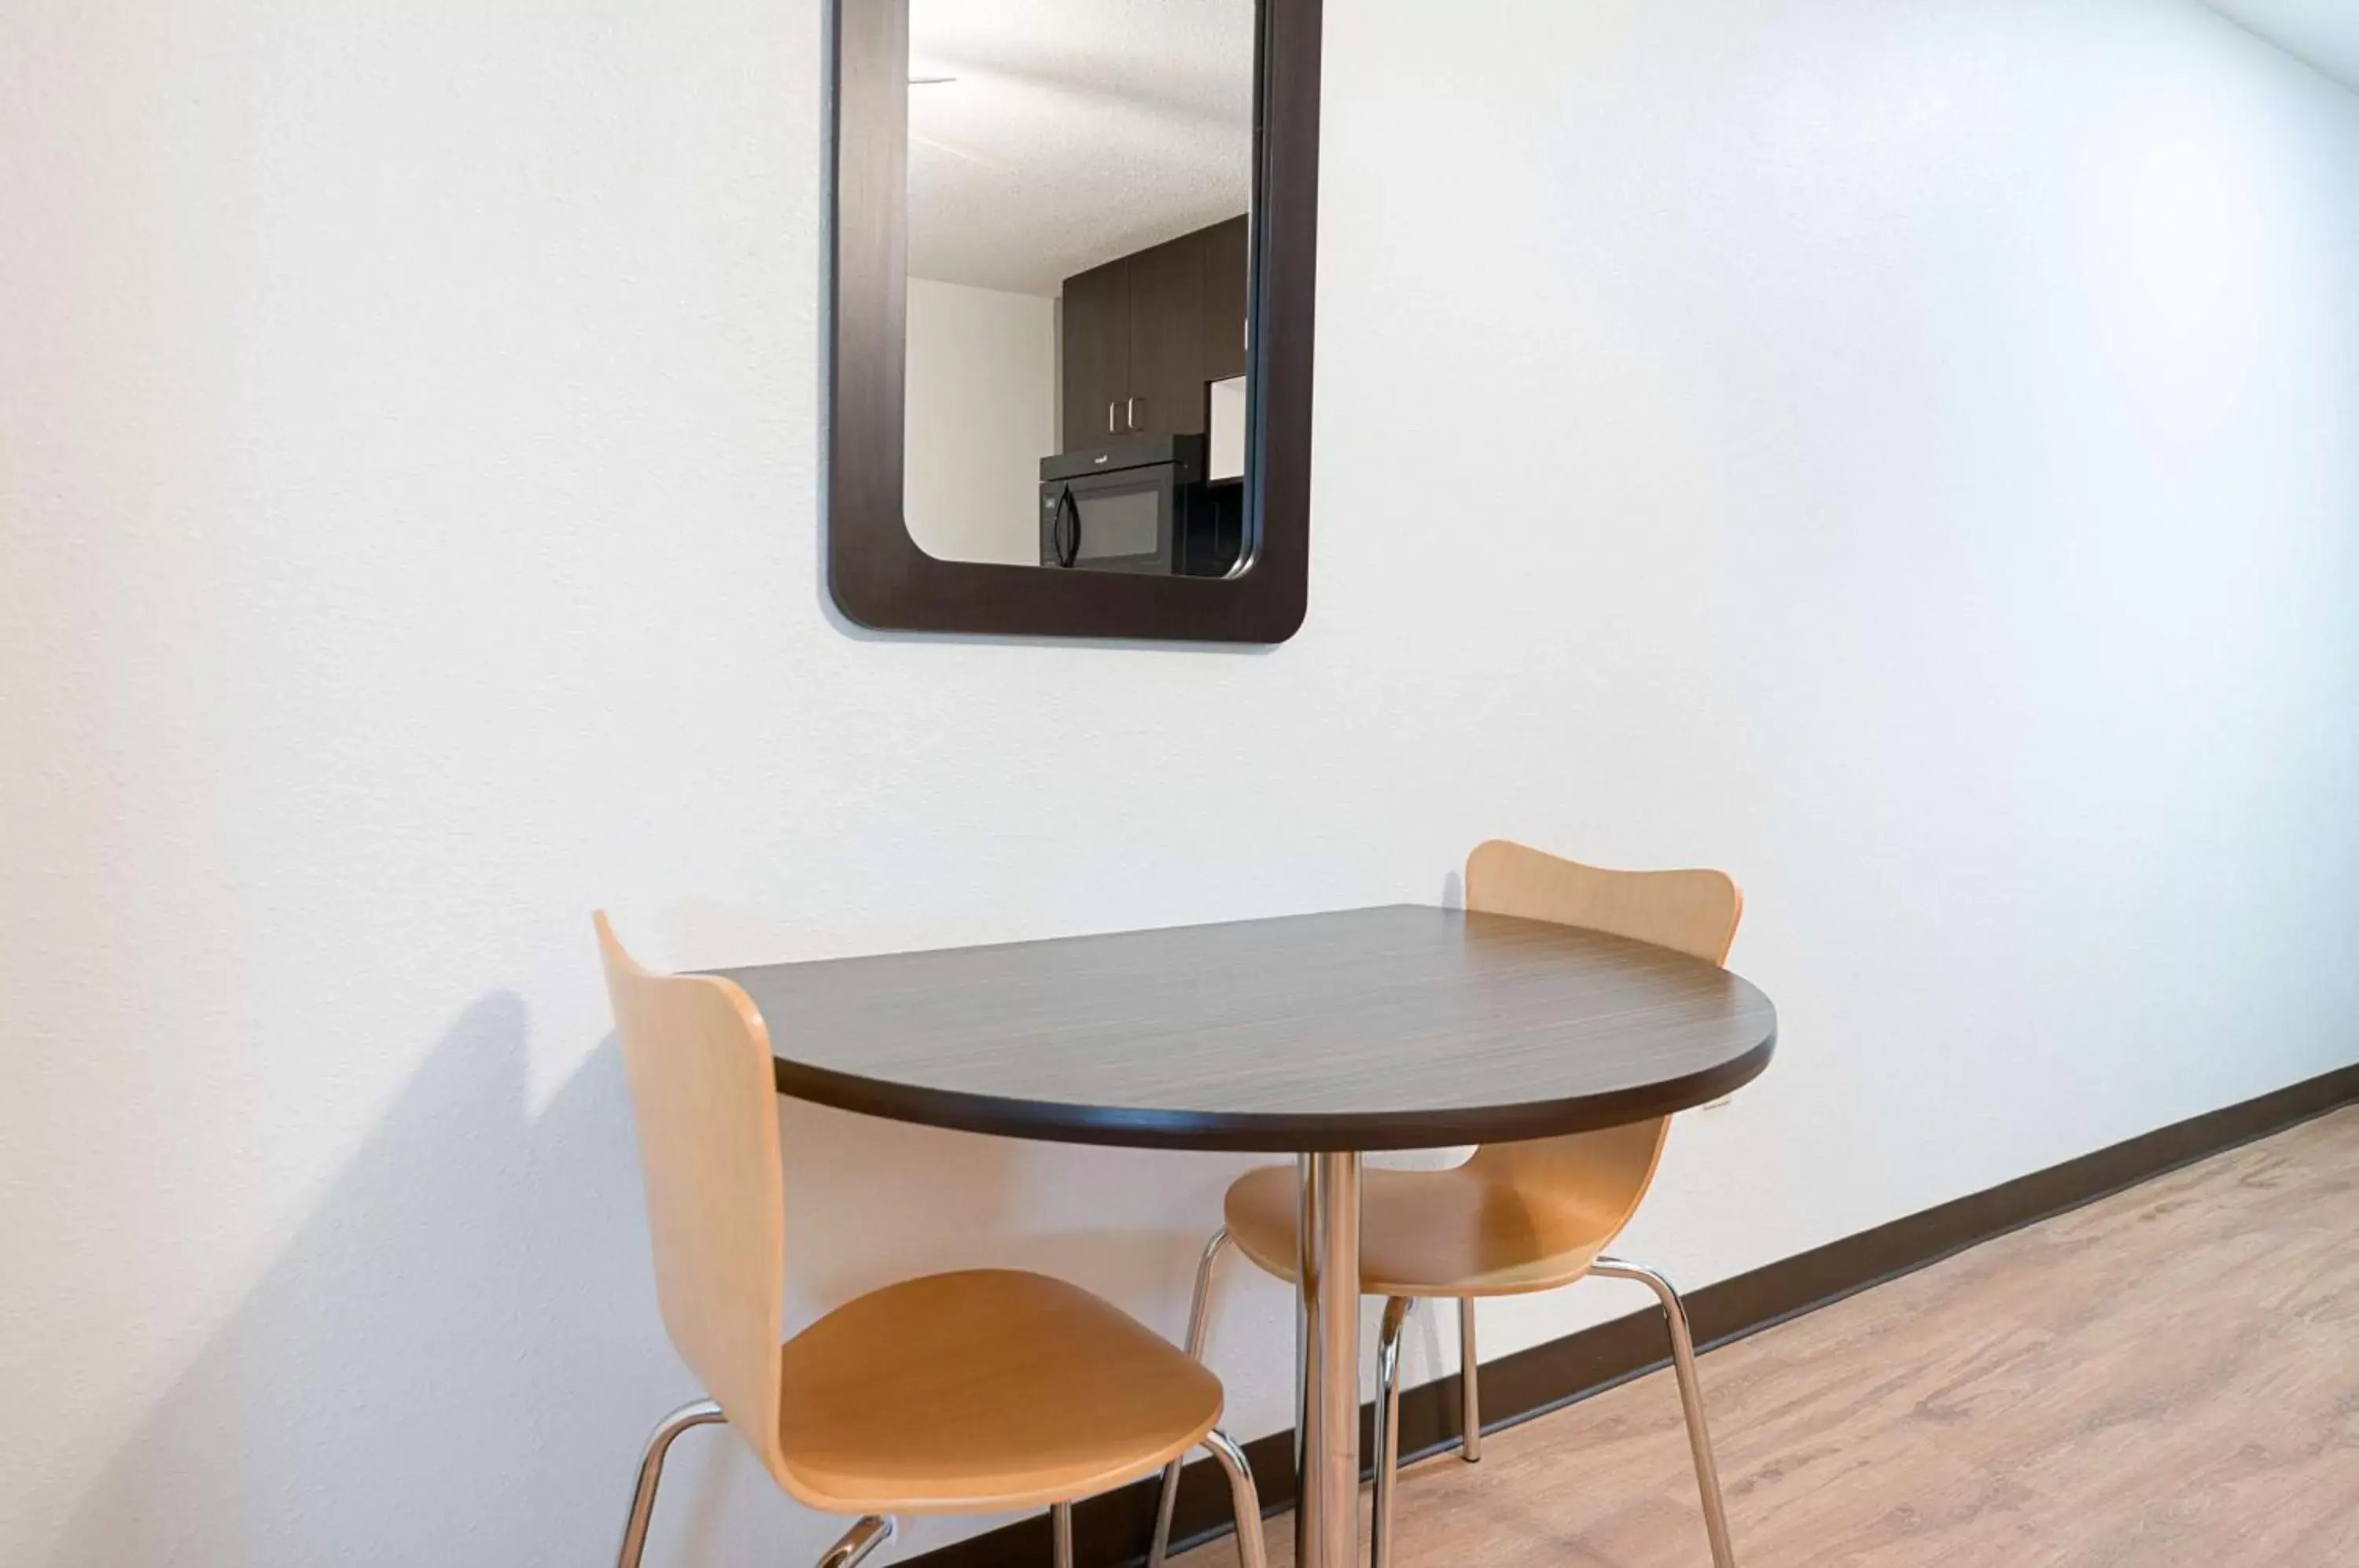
(982, 414)
(1915, 474)
(2323, 32)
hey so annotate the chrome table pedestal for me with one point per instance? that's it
(1327, 1364)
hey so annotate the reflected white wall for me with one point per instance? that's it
(982, 414)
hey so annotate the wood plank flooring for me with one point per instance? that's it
(2169, 1377)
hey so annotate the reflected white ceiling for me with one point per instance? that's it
(1075, 131)
(2323, 32)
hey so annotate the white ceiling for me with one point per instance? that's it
(1076, 131)
(2323, 32)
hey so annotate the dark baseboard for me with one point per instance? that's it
(1113, 1531)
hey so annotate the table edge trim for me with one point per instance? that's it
(1264, 1132)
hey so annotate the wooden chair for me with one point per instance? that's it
(1516, 1217)
(957, 1393)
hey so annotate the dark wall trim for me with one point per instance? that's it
(1112, 1532)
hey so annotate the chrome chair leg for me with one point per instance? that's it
(1197, 1311)
(857, 1542)
(651, 1462)
(1389, 1338)
(1060, 1525)
(1470, 1394)
(1683, 1363)
(1251, 1552)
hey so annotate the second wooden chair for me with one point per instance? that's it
(1516, 1217)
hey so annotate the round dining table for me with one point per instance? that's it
(1321, 1036)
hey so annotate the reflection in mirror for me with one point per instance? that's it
(1080, 177)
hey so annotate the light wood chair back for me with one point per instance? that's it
(704, 1100)
(1694, 912)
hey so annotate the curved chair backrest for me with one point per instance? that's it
(698, 1057)
(1694, 912)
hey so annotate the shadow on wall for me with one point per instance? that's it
(870, 1202)
(457, 1357)
(465, 1318)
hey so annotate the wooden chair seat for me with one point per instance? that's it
(1467, 1231)
(982, 1391)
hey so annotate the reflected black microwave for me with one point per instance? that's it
(1137, 504)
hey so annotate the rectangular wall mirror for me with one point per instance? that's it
(1073, 276)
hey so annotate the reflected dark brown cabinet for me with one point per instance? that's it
(1097, 354)
(1228, 280)
(1144, 333)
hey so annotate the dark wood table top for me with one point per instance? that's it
(1396, 1028)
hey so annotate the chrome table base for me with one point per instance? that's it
(1470, 1391)
(1327, 1518)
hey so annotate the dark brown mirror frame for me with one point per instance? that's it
(877, 573)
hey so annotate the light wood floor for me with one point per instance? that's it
(2169, 1376)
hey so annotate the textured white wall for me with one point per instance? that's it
(2323, 32)
(1900, 454)
(982, 414)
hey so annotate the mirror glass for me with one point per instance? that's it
(1079, 180)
